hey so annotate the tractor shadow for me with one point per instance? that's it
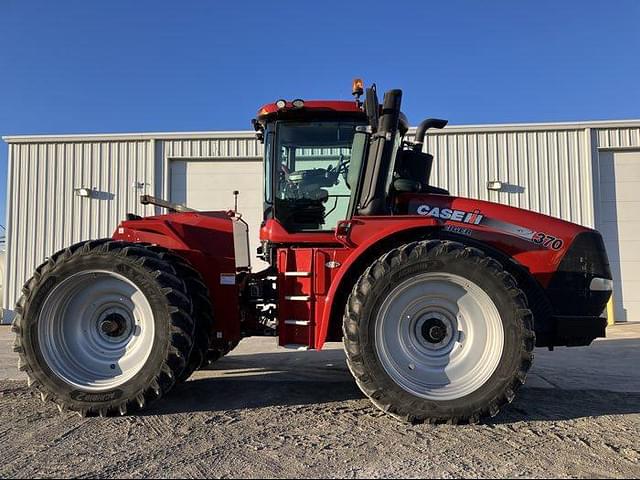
(263, 380)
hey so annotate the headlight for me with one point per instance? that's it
(601, 285)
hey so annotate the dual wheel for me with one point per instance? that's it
(106, 326)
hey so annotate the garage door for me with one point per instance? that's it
(619, 222)
(209, 185)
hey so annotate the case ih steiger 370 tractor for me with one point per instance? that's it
(439, 300)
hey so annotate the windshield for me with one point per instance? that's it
(306, 177)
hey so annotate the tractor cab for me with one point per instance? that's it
(308, 159)
(328, 161)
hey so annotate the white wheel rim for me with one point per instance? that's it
(96, 330)
(439, 336)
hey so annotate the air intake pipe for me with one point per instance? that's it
(421, 131)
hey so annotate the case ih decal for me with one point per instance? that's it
(474, 217)
(477, 218)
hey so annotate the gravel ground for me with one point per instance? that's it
(263, 413)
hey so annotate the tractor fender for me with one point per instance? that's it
(205, 240)
(361, 255)
(533, 264)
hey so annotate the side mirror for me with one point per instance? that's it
(372, 107)
(358, 153)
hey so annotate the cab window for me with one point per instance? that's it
(311, 171)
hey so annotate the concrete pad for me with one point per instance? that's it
(265, 412)
(608, 364)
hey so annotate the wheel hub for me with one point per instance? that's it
(434, 330)
(113, 325)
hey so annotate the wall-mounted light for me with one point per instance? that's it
(494, 185)
(83, 192)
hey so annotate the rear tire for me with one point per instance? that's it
(206, 350)
(103, 327)
(438, 332)
(202, 312)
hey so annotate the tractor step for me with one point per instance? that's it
(298, 323)
(297, 274)
(298, 298)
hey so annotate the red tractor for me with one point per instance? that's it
(439, 300)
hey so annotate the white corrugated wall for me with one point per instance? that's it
(242, 147)
(546, 168)
(621, 137)
(43, 212)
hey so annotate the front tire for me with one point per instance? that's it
(435, 331)
(103, 327)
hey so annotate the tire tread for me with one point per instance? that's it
(179, 307)
(431, 249)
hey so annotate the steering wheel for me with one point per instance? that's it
(342, 168)
(285, 173)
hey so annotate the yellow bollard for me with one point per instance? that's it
(611, 319)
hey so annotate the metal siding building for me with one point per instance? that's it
(549, 168)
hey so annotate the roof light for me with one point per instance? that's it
(298, 103)
(357, 87)
(281, 104)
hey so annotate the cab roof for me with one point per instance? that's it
(311, 107)
(319, 109)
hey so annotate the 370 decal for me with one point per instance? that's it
(547, 240)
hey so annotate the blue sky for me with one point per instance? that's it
(76, 66)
